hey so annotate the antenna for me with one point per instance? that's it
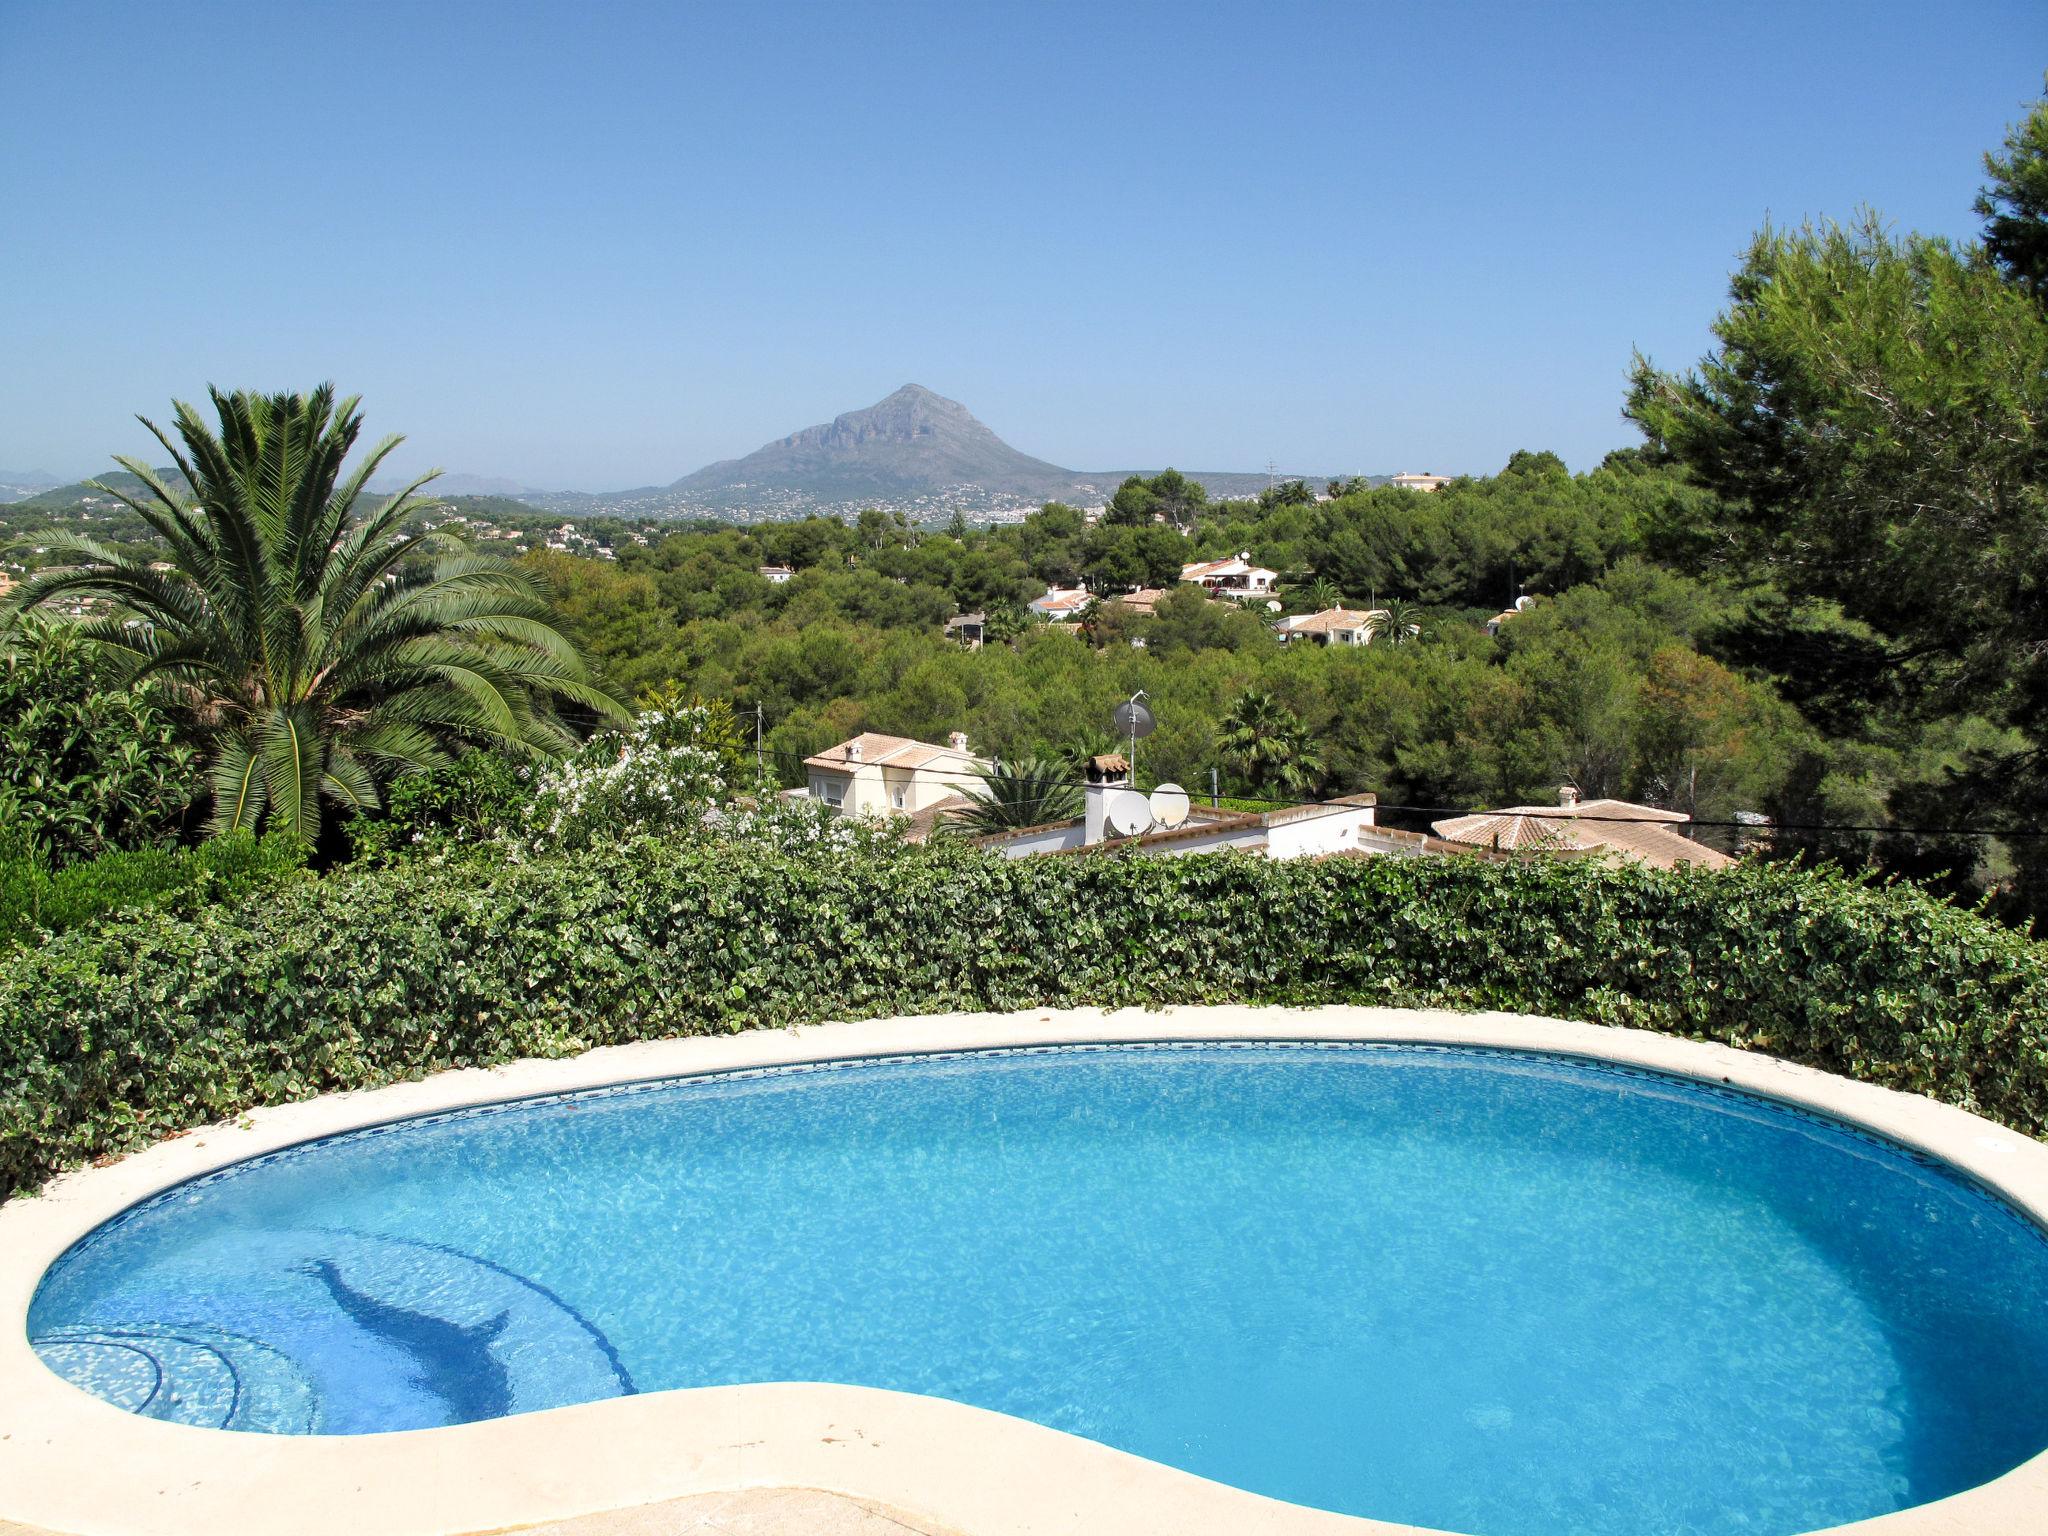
(1272, 474)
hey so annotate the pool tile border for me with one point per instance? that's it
(71, 1463)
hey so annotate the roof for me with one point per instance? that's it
(964, 620)
(1203, 569)
(920, 825)
(1144, 601)
(889, 751)
(1333, 619)
(1640, 832)
(782, 569)
(1057, 600)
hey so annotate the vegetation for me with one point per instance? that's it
(152, 1022)
(312, 650)
(1874, 427)
(88, 763)
(1020, 792)
(37, 901)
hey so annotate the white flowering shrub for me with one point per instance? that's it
(659, 777)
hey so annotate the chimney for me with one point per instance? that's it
(1106, 772)
(853, 750)
(1568, 796)
(957, 741)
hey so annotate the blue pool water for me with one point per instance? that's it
(1488, 1292)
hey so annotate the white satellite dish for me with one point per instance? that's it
(1169, 805)
(1129, 813)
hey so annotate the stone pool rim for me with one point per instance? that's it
(72, 1463)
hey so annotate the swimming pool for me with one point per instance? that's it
(1479, 1290)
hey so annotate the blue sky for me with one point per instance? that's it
(596, 246)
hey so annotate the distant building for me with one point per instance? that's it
(968, 628)
(1642, 833)
(1061, 602)
(1235, 577)
(882, 775)
(1522, 605)
(1342, 826)
(1420, 482)
(1333, 626)
(777, 574)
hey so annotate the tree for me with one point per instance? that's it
(1322, 595)
(1133, 505)
(1021, 793)
(1875, 420)
(1262, 740)
(315, 648)
(2014, 206)
(1398, 623)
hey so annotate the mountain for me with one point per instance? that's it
(20, 484)
(915, 452)
(912, 446)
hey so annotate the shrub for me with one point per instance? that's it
(36, 902)
(479, 796)
(88, 761)
(158, 1021)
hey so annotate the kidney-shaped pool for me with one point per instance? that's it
(1478, 1290)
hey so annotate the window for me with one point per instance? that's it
(898, 796)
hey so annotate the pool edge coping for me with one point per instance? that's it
(981, 1473)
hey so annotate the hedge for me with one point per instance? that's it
(156, 1022)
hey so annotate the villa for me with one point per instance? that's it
(1420, 482)
(1333, 626)
(776, 574)
(1235, 577)
(878, 775)
(1061, 602)
(1641, 833)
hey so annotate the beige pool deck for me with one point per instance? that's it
(779, 1460)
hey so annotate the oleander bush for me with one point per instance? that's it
(156, 1022)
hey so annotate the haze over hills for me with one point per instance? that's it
(914, 452)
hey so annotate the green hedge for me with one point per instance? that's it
(154, 1023)
(36, 901)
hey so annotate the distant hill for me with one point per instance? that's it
(20, 484)
(915, 452)
(912, 445)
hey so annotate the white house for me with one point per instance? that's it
(1333, 626)
(777, 574)
(1298, 831)
(1235, 577)
(1060, 602)
(1420, 482)
(882, 775)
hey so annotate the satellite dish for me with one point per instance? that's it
(1169, 805)
(1129, 813)
(1132, 719)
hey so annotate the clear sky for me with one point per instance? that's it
(597, 245)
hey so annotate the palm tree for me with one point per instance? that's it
(1023, 793)
(1398, 623)
(313, 649)
(1322, 595)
